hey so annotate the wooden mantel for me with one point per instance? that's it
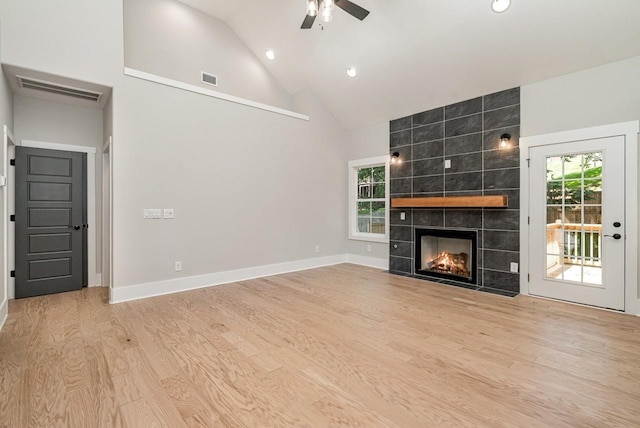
(492, 201)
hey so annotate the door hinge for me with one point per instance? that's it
(12, 162)
(13, 274)
(528, 162)
(528, 277)
(528, 220)
(12, 217)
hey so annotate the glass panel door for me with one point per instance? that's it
(576, 221)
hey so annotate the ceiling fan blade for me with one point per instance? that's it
(308, 22)
(352, 9)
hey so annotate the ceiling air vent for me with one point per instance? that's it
(209, 79)
(54, 88)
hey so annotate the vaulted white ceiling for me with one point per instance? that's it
(412, 55)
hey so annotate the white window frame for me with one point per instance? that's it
(354, 166)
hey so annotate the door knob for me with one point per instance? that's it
(614, 236)
(76, 227)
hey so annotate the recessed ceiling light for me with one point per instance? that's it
(271, 55)
(351, 72)
(500, 6)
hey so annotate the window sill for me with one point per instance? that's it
(369, 238)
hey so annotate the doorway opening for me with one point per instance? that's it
(61, 121)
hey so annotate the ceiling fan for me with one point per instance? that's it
(325, 9)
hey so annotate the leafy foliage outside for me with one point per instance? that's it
(589, 178)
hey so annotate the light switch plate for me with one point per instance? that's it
(403, 216)
(168, 213)
(152, 213)
(514, 267)
(447, 163)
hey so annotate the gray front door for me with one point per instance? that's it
(50, 205)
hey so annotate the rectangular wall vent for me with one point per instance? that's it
(209, 79)
(54, 88)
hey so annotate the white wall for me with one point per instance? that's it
(365, 143)
(248, 187)
(171, 39)
(74, 38)
(597, 96)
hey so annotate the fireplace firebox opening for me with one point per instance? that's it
(448, 254)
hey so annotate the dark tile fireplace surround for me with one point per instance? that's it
(468, 134)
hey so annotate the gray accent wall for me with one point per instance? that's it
(468, 134)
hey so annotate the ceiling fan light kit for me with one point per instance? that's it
(326, 13)
(312, 7)
(325, 8)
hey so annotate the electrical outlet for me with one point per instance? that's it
(178, 266)
(168, 213)
(514, 267)
(317, 248)
(403, 216)
(368, 248)
(447, 163)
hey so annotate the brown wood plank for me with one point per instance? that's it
(493, 201)
(340, 345)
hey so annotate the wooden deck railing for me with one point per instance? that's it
(576, 241)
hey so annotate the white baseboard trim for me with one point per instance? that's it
(160, 288)
(373, 262)
(151, 289)
(4, 312)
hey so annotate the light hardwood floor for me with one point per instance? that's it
(336, 346)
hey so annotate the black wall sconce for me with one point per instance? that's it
(504, 140)
(395, 157)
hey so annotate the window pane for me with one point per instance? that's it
(593, 217)
(364, 209)
(554, 230)
(377, 209)
(377, 218)
(573, 216)
(593, 191)
(573, 192)
(364, 216)
(365, 191)
(554, 266)
(554, 192)
(593, 165)
(572, 166)
(554, 168)
(378, 190)
(364, 175)
(378, 174)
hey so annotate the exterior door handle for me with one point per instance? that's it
(614, 236)
(76, 227)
